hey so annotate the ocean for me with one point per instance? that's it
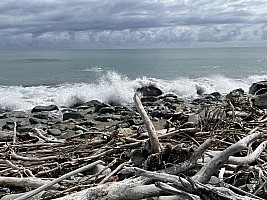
(65, 77)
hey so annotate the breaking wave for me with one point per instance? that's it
(114, 87)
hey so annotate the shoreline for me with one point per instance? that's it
(49, 142)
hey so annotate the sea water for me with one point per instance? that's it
(65, 77)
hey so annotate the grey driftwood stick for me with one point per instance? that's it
(204, 174)
(154, 141)
(43, 187)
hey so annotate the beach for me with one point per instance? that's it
(51, 130)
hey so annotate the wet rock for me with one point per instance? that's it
(25, 128)
(19, 114)
(260, 101)
(92, 103)
(150, 90)
(34, 120)
(156, 113)
(44, 108)
(54, 132)
(258, 88)
(149, 99)
(99, 106)
(200, 90)
(237, 93)
(42, 115)
(105, 110)
(72, 115)
(103, 118)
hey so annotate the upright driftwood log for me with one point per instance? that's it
(154, 141)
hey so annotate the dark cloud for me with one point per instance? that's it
(105, 23)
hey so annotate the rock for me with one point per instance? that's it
(260, 101)
(34, 120)
(25, 128)
(96, 169)
(64, 126)
(258, 88)
(99, 106)
(6, 136)
(103, 118)
(19, 114)
(54, 132)
(72, 115)
(237, 93)
(125, 132)
(67, 135)
(156, 113)
(42, 115)
(137, 157)
(44, 108)
(92, 103)
(105, 110)
(150, 90)
(149, 99)
(116, 117)
(200, 90)
(194, 119)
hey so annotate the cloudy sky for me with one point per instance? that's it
(132, 23)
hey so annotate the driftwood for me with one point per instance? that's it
(235, 149)
(154, 141)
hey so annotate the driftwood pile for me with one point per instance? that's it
(219, 155)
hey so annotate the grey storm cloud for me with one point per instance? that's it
(124, 23)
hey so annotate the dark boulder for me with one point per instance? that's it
(99, 106)
(149, 99)
(260, 101)
(237, 93)
(92, 103)
(150, 91)
(105, 110)
(54, 132)
(258, 88)
(72, 115)
(44, 108)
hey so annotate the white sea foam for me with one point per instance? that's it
(93, 69)
(114, 87)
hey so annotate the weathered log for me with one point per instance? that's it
(23, 182)
(131, 189)
(49, 184)
(154, 141)
(204, 174)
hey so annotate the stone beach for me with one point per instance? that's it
(117, 135)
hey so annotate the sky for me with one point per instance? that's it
(132, 23)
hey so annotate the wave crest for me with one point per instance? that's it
(115, 88)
